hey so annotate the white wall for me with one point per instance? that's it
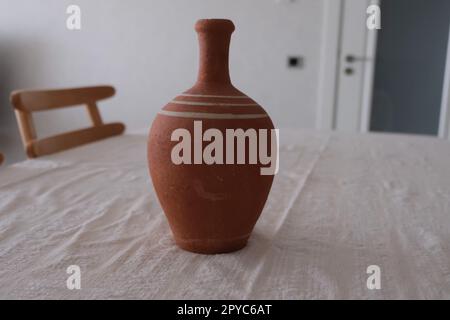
(148, 51)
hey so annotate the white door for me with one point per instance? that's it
(356, 60)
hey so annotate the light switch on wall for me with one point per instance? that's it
(295, 62)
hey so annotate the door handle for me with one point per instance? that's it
(350, 58)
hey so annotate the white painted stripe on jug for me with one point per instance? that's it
(204, 115)
(213, 104)
(212, 96)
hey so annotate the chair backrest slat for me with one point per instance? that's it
(38, 100)
(73, 139)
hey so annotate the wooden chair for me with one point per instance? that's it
(2, 158)
(27, 101)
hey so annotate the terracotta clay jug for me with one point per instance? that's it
(211, 207)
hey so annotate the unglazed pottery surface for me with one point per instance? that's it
(210, 208)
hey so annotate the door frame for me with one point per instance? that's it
(369, 76)
(444, 116)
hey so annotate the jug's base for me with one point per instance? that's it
(212, 246)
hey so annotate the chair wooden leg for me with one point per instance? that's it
(94, 114)
(26, 128)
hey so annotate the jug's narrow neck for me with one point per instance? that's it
(214, 37)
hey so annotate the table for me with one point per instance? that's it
(340, 203)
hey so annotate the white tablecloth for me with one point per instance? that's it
(340, 203)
